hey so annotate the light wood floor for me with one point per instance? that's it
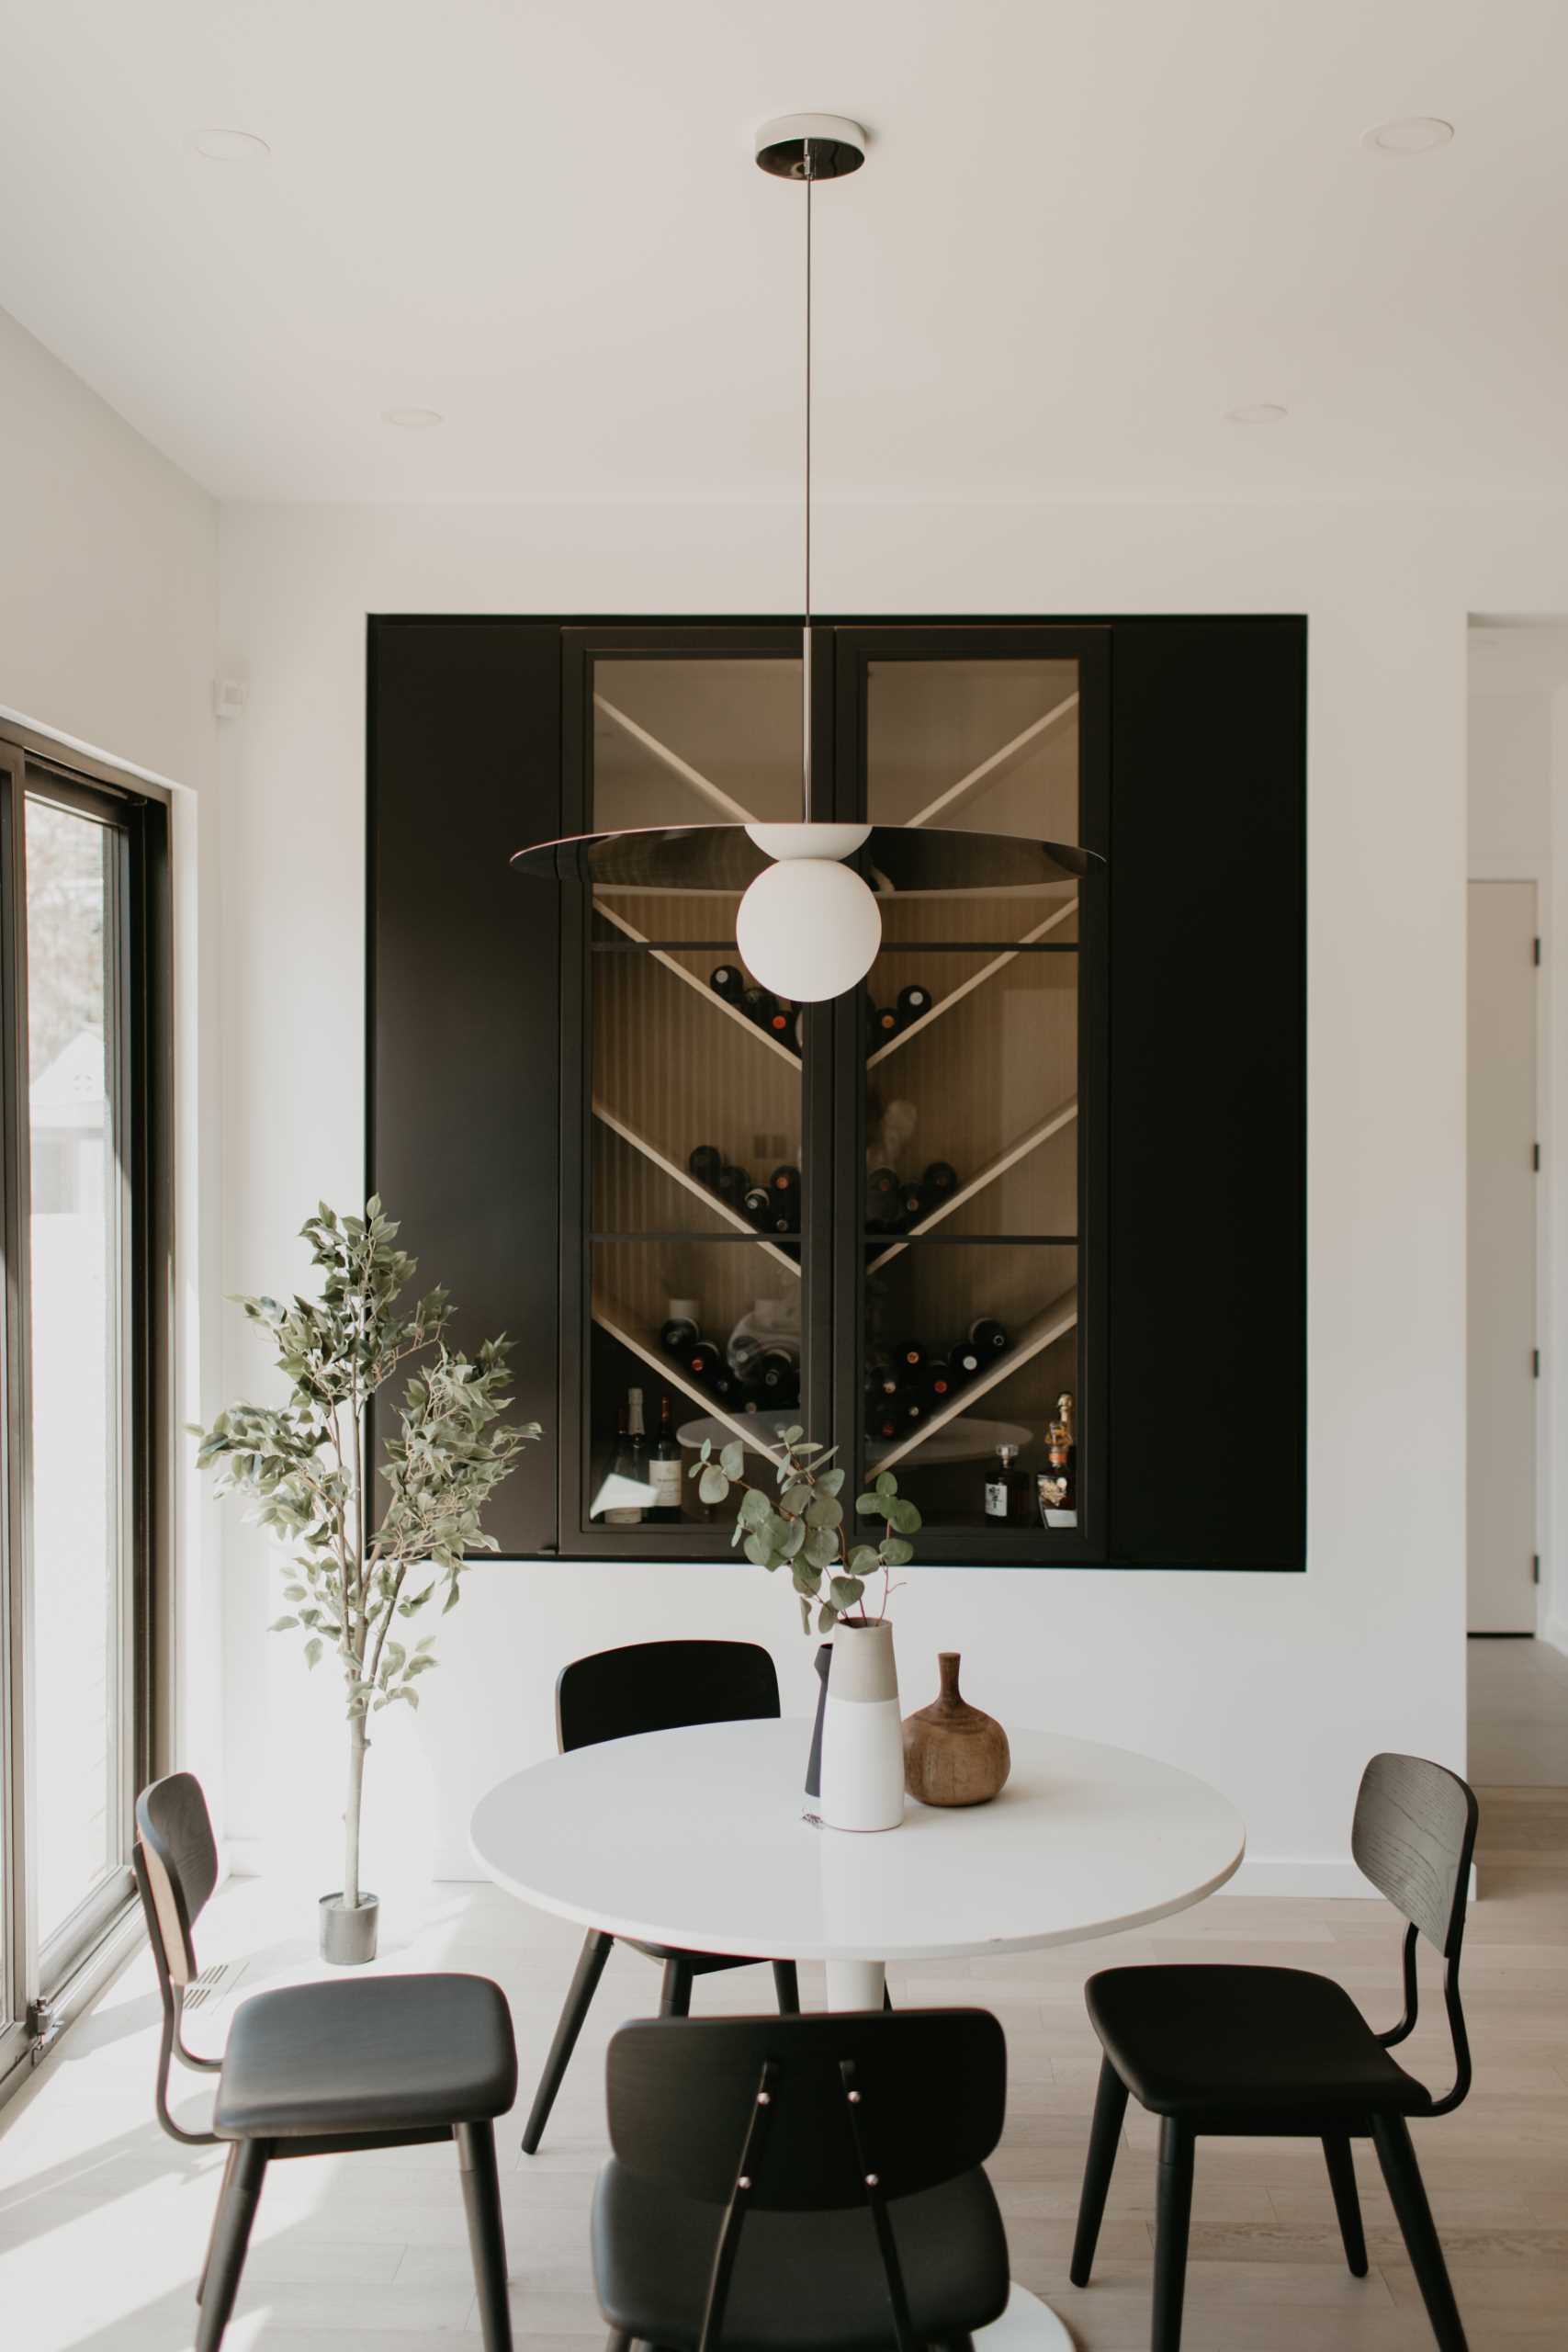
(103, 2221)
(1518, 1715)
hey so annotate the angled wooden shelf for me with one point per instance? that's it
(614, 1319)
(657, 955)
(1045, 1328)
(966, 988)
(997, 761)
(678, 1175)
(713, 793)
(999, 1166)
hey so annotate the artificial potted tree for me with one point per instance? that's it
(304, 1465)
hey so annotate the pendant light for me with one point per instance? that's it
(808, 926)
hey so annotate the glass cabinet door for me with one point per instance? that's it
(970, 1037)
(695, 1118)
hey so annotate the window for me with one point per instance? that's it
(82, 909)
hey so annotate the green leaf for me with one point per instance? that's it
(887, 1485)
(733, 1461)
(869, 1506)
(790, 1537)
(313, 1650)
(864, 1560)
(805, 1614)
(282, 1625)
(794, 1500)
(452, 1598)
(894, 1552)
(714, 1486)
(903, 1517)
(706, 1450)
(825, 1512)
(826, 1618)
(821, 1547)
(755, 1508)
(831, 1482)
(791, 1434)
(845, 1591)
(806, 1578)
(760, 1552)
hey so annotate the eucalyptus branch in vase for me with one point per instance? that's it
(802, 1527)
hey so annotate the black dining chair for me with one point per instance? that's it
(803, 2184)
(613, 1694)
(1282, 2052)
(315, 2070)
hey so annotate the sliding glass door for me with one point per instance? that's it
(85, 1294)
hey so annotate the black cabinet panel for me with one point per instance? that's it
(464, 1000)
(1205, 1342)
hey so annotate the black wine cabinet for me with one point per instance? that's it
(1021, 1222)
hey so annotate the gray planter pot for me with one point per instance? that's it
(348, 1938)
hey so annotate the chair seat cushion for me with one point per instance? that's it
(800, 2278)
(1187, 2039)
(379, 2053)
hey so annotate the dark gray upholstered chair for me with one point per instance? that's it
(1281, 2052)
(803, 2184)
(613, 1694)
(378, 2061)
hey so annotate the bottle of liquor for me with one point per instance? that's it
(680, 1332)
(987, 1335)
(727, 981)
(914, 1002)
(1007, 1490)
(759, 1005)
(631, 1461)
(705, 1163)
(664, 1469)
(1059, 1480)
(940, 1180)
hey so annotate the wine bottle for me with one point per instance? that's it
(733, 1185)
(702, 1364)
(941, 1179)
(631, 1463)
(784, 1186)
(884, 1024)
(914, 1002)
(883, 1421)
(882, 1376)
(1007, 1490)
(759, 1005)
(664, 1469)
(757, 1208)
(881, 1199)
(678, 1335)
(987, 1335)
(705, 1163)
(727, 981)
(939, 1379)
(909, 1356)
(913, 1205)
(966, 1361)
(775, 1373)
(783, 1022)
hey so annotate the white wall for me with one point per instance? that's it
(109, 600)
(1276, 1687)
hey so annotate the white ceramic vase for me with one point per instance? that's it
(862, 1752)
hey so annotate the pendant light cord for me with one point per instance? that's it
(806, 629)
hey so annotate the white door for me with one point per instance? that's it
(1504, 982)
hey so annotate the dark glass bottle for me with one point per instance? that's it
(777, 1375)
(941, 1179)
(914, 1003)
(909, 1356)
(784, 1187)
(884, 1024)
(966, 1361)
(664, 1469)
(702, 1364)
(759, 1005)
(1007, 1490)
(913, 1205)
(940, 1383)
(881, 1199)
(705, 1163)
(727, 981)
(631, 1461)
(733, 1185)
(678, 1335)
(884, 1420)
(882, 1375)
(784, 1021)
(989, 1335)
(757, 1208)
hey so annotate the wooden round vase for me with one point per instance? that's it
(954, 1754)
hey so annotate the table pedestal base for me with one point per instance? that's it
(1026, 2325)
(856, 1983)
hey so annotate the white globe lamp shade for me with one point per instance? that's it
(809, 929)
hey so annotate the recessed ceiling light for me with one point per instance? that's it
(229, 146)
(413, 420)
(1416, 134)
(1258, 413)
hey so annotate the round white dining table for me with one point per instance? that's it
(701, 1839)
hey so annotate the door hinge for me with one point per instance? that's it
(1535, 1158)
(1535, 1567)
(1535, 951)
(43, 2024)
(1535, 1364)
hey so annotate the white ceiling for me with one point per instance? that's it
(1085, 233)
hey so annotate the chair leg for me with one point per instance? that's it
(233, 2159)
(231, 2236)
(675, 1994)
(619, 2341)
(1347, 2204)
(1105, 2134)
(1173, 2212)
(596, 1950)
(487, 2239)
(886, 1996)
(1407, 2193)
(786, 1985)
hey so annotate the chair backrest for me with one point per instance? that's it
(683, 2098)
(179, 1868)
(1413, 1835)
(662, 1686)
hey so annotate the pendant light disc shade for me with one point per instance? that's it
(809, 929)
